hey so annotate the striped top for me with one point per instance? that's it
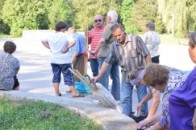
(94, 37)
(129, 56)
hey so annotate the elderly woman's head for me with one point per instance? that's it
(156, 76)
(9, 47)
(192, 46)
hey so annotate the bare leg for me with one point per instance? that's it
(73, 90)
(56, 89)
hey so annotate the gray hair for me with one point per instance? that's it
(116, 26)
(114, 16)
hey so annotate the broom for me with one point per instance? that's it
(102, 94)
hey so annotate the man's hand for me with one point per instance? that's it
(139, 106)
(95, 79)
(93, 53)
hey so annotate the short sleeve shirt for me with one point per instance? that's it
(152, 41)
(109, 39)
(57, 41)
(129, 56)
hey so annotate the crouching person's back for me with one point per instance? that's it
(9, 67)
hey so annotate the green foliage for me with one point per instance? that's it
(125, 13)
(4, 28)
(171, 16)
(59, 11)
(143, 11)
(30, 115)
(19, 15)
(159, 24)
(179, 17)
(85, 10)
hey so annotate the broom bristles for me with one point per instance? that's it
(105, 97)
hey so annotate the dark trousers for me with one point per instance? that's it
(94, 66)
(155, 59)
(16, 83)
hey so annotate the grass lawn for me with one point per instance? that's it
(31, 115)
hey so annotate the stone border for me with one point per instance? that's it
(109, 119)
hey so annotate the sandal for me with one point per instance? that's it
(59, 94)
(68, 91)
(79, 95)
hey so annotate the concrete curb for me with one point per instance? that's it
(109, 119)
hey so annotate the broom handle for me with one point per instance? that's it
(86, 53)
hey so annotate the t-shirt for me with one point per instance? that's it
(79, 46)
(109, 39)
(182, 104)
(94, 37)
(57, 41)
(9, 66)
(152, 41)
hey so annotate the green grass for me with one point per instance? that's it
(31, 115)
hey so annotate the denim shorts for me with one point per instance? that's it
(67, 75)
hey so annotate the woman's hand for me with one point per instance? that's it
(143, 124)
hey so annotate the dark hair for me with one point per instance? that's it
(60, 25)
(150, 25)
(116, 26)
(192, 38)
(9, 47)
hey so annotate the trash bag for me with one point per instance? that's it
(82, 88)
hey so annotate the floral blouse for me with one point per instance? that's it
(176, 78)
(9, 66)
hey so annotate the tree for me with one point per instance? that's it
(59, 10)
(143, 11)
(19, 15)
(85, 10)
(125, 12)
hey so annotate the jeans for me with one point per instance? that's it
(126, 97)
(94, 66)
(113, 72)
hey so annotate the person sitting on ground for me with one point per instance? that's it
(165, 80)
(61, 58)
(9, 67)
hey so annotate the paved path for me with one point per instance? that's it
(35, 82)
